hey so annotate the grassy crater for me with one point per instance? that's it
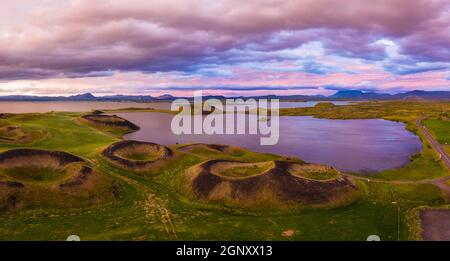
(313, 171)
(231, 169)
(140, 153)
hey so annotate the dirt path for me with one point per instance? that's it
(155, 209)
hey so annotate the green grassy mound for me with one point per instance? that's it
(440, 128)
(313, 171)
(233, 169)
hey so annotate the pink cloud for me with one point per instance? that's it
(213, 43)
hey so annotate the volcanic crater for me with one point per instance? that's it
(278, 183)
(136, 155)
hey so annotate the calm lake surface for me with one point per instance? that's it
(42, 107)
(367, 145)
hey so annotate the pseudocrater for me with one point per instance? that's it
(137, 156)
(274, 183)
(32, 177)
(37, 165)
(111, 121)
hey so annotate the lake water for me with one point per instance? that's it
(42, 107)
(367, 145)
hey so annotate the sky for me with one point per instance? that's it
(232, 47)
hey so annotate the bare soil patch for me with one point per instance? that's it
(289, 233)
(435, 224)
(240, 169)
(313, 171)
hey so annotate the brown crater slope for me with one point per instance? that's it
(30, 177)
(25, 157)
(112, 121)
(269, 183)
(137, 155)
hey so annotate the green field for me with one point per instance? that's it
(155, 206)
(440, 128)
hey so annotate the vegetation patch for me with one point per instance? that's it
(12, 134)
(240, 169)
(440, 128)
(313, 171)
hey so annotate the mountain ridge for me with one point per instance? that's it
(339, 95)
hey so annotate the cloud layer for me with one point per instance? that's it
(137, 44)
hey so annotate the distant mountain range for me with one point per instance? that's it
(358, 95)
(340, 95)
